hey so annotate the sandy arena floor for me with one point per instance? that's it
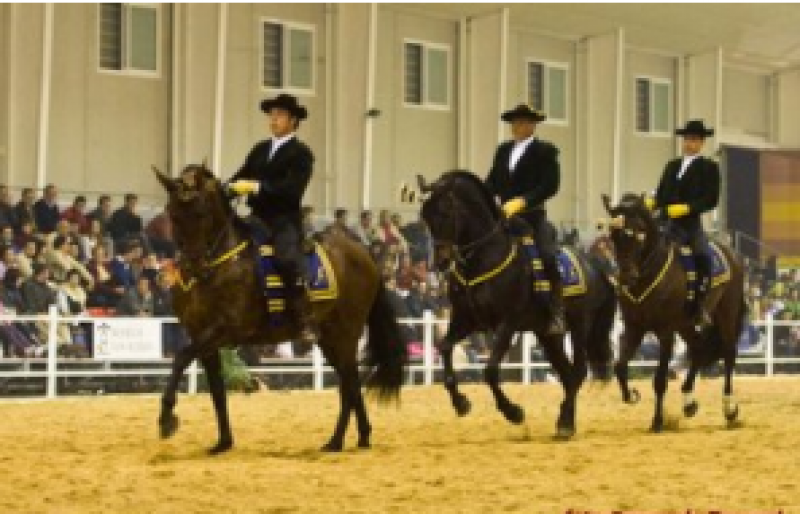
(103, 455)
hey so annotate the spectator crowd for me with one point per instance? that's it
(105, 260)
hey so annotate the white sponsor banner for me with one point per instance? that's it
(127, 339)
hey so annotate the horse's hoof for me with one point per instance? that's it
(514, 414)
(565, 433)
(634, 397)
(221, 447)
(657, 427)
(462, 405)
(332, 447)
(731, 415)
(690, 409)
(168, 426)
(364, 444)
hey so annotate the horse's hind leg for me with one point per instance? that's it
(511, 411)
(690, 405)
(212, 363)
(554, 350)
(729, 406)
(167, 420)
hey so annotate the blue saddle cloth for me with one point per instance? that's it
(322, 282)
(720, 271)
(573, 280)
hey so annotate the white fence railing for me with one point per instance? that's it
(52, 368)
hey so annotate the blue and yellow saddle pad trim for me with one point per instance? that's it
(322, 284)
(573, 280)
(720, 269)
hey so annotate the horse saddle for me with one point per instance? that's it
(720, 268)
(572, 276)
(321, 284)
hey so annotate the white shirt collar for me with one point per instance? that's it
(685, 162)
(277, 142)
(517, 150)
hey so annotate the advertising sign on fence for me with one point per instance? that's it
(127, 339)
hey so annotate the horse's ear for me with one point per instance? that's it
(168, 184)
(606, 202)
(423, 186)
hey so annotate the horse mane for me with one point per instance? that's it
(205, 174)
(478, 184)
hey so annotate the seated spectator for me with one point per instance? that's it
(61, 260)
(24, 211)
(31, 253)
(389, 233)
(71, 296)
(76, 215)
(137, 301)
(96, 236)
(8, 216)
(125, 224)
(419, 240)
(8, 260)
(63, 228)
(121, 266)
(7, 238)
(159, 235)
(17, 338)
(45, 210)
(405, 273)
(27, 232)
(365, 231)
(150, 267)
(37, 297)
(106, 292)
(102, 213)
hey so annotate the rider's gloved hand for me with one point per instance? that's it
(650, 202)
(245, 187)
(513, 206)
(677, 210)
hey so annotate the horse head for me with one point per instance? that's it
(458, 210)
(633, 232)
(196, 205)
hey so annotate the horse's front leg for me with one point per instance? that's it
(167, 420)
(502, 340)
(456, 331)
(630, 340)
(666, 341)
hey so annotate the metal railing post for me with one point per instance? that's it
(427, 349)
(193, 372)
(317, 364)
(527, 344)
(770, 345)
(52, 350)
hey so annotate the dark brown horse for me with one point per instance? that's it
(220, 302)
(653, 299)
(491, 288)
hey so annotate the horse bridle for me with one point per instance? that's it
(462, 250)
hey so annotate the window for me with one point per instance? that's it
(547, 89)
(427, 74)
(653, 106)
(287, 57)
(128, 38)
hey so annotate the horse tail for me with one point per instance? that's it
(598, 348)
(386, 350)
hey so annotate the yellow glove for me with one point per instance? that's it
(245, 187)
(677, 210)
(513, 206)
(650, 203)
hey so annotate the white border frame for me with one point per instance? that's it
(671, 108)
(286, 71)
(125, 71)
(558, 122)
(426, 45)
